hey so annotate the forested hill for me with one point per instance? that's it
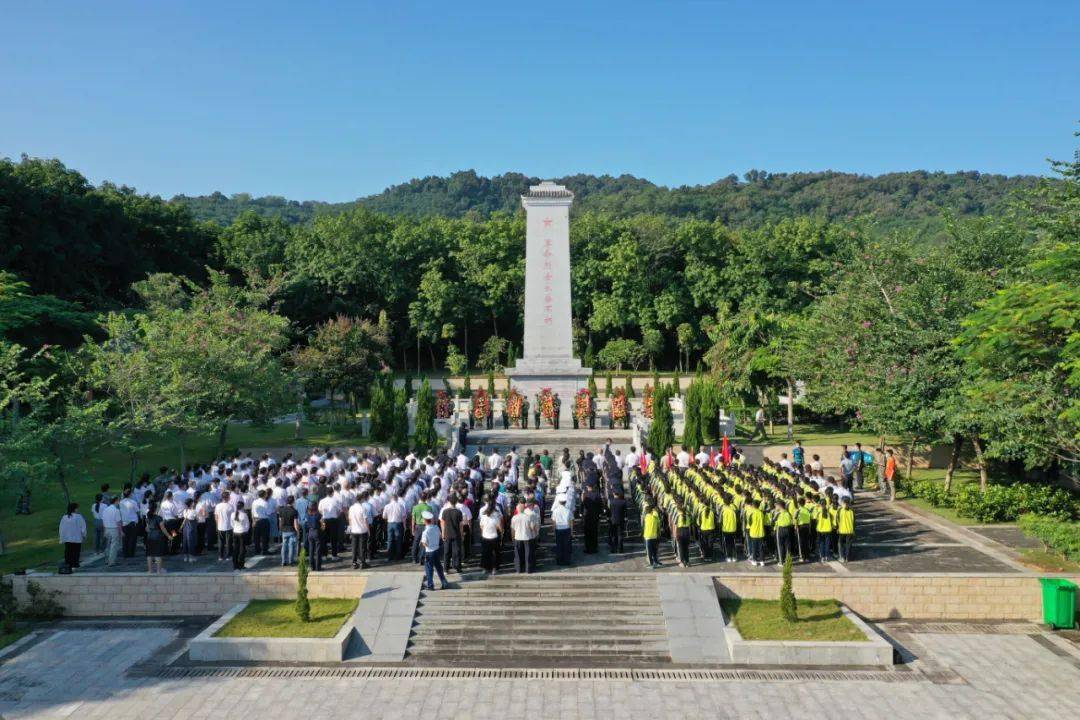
(909, 199)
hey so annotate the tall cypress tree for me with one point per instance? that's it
(630, 387)
(399, 420)
(662, 430)
(425, 438)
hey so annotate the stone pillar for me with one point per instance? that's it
(548, 355)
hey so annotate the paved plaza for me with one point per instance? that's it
(890, 539)
(77, 670)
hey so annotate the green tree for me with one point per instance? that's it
(789, 606)
(303, 605)
(620, 352)
(662, 429)
(686, 335)
(455, 361)
(217, 349)
(630, 387)
(382, 408)
(343, 356)
(491, 354)
(693, 435)
(399, 419)
(425, 438)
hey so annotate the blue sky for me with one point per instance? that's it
(331, 101)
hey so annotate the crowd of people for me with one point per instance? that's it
(352, 508)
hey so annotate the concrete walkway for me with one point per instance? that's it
(85, 674)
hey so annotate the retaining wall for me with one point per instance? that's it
(925, 597)
(87, 594)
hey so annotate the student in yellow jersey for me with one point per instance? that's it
(706, 528)
(755, 530)
(845, 529)
(803, 527)
(824, 529)
(783, 523)
(650, 531)
(681, 523)
(729, 527)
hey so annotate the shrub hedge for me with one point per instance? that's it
(1062, 536)
(1000, 503)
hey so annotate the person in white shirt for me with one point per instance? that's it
(129, 521)
(702, 458)
(359, 529)
(562, 519)
(72, 535)
(330, 510)
(261, 514)
(113, 522)
(683, 458)
(490, 536)
(223, 513)
(241, 524)
(394, 515)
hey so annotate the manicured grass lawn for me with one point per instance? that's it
(1048, 561)
(277, 618)
(818, 620)
(811, 434)
(32, 540)
(8, 638)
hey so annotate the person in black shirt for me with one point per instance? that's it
(592, 507)
(289, 524)
(616, 521)
(451, 520)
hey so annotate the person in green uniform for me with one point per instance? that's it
(824, 529)
(784, 523)
(706, 529)
(650, 530)
(845, 529)
(729, 526)
(416, 527)
(803, 520)
(755, 530)
(680, 520)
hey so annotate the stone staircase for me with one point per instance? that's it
(542, 620)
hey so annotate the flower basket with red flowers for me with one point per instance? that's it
(647, 403)
(513, 404)
(481, 403)
(444, 406)
(547, 405)
(620, 407)
(582, 405)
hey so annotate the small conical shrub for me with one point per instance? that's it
(303, 606)
(789, 606)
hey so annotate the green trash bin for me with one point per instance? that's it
(1059, 603)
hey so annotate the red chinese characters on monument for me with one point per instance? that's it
(548, 276)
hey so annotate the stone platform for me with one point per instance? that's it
(550, 439)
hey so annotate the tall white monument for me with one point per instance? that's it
(548, 360)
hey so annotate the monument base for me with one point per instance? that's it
(564, 376)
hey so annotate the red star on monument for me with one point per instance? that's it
(547, 222)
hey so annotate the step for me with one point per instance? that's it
(643, 594)
(523, 660)
(425, 616)
(547, 646)
(486, 606)
(491, 633)
(607, 622)
(512, 630)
